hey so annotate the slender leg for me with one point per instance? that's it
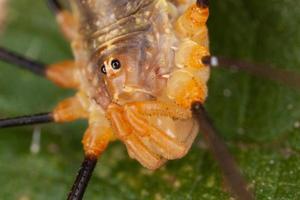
(65, 20)
(83, 178)
(62, 74)
(95, 141)
(289, 78)
(190, 56)
(219, 150)
(66, 111)
(27, 120)
(35, 67)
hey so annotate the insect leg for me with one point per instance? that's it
(62, 74)
(233, 176)
(289, 78)
(27, 120)
(55, 6)
(95, 140)
(20, 61)
(66, 111)
(82, 179)
(65, 19)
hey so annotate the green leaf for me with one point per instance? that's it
(258, 118)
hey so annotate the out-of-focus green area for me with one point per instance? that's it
(259, 119)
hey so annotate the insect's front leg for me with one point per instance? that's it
(65, 19)
(98, 134)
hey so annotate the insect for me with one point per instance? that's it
(108, 67)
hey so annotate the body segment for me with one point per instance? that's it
(138, 69)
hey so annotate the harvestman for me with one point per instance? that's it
(61, 74)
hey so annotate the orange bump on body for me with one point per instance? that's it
(63, 74)
(195, 57)
(191, 92)
(192, 21)
(201, 37)
(190, 54)
(198, 16)
(69, 110)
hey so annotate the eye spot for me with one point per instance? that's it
(115, 64)
(103, 69)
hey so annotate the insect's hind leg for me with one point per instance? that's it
(65, 19)
(66, 111)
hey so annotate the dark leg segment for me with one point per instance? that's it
(25, 63)
(65, 19)
(55, 6)
(27, 120)
(233, 176)
(285, 77)
(202, 3)
(83, 178)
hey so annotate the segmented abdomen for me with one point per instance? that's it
(104, 20)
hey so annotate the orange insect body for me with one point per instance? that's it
(138, 68)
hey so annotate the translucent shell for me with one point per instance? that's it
(146, 101)
(189, 54)
(184, 88)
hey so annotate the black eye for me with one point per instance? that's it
(103, 69)
(115, 64)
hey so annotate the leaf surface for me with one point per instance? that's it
(259, 119)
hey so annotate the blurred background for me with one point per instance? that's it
(259, 119)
